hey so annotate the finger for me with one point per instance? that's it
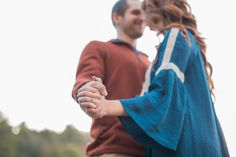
(101, 88)
(94, 86)
(84, 86)
(84, 99)
(94, 113)
(90, 87)
(95, 78)
(89, 94)
(88, 105)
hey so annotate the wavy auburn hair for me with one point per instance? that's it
(177, 13)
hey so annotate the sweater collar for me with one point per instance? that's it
(120, 42)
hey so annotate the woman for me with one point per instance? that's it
(175, 116)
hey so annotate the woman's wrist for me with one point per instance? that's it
(114, 108)
(106, 107)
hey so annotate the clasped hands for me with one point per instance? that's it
(91, 98)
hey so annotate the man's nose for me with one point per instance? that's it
(142, 16)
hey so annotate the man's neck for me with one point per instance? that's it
(127, 39)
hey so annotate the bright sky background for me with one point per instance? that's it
(40, 45)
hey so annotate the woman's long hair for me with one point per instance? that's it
(177, 13)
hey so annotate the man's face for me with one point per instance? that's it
(132, 23)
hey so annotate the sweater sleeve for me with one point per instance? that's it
(157, 117)
(91, 63)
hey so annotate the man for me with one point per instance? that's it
(121, 68)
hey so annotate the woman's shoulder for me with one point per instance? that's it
(177, 38)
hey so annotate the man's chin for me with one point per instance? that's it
(139, 32)
(137, 35)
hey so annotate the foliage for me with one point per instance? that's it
(21, 141)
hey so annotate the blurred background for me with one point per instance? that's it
(40, 46)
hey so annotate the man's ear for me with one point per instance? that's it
(116, 18)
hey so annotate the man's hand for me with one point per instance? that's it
(93, 90)
(94, 86)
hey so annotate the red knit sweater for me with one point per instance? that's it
(122, 70)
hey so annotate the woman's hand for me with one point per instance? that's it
(92, 101)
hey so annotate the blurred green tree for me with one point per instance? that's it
(21, 141)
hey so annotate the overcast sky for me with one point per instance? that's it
(40, 45)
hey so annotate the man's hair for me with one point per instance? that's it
(119, 7)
